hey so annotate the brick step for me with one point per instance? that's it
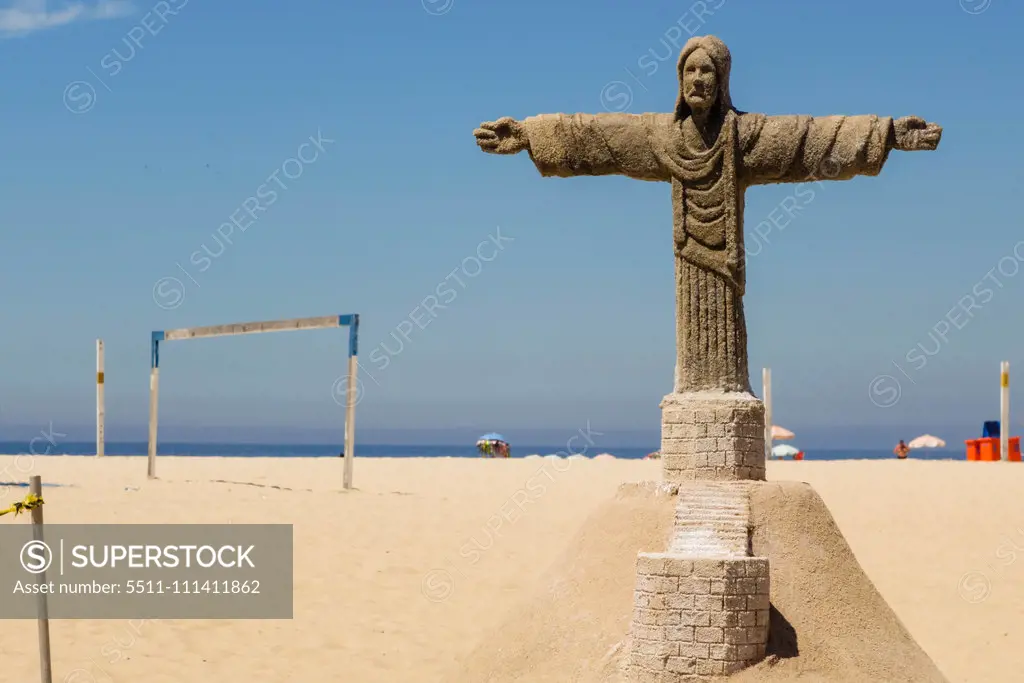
(732, 499)
(709, 530)
(682, 532)
(735, 547)
(726, 496)
(690, 505)
(711, 490)
(707, 521)
(712, 515)
(705, 553)
(720, 493)
(708, 533)
(717, 548)
(713, 503)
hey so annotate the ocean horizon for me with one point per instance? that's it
(271, 450)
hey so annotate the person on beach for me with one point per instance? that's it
(901, 450)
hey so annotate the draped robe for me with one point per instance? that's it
(708, 188)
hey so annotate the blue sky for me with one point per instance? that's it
(572, 320)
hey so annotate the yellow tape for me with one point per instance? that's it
(1004, 379)
(99, 378)
(31, 502)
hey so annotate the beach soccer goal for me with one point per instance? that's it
(350, 321)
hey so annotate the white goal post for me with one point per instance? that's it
(351, 321)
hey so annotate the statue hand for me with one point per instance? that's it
(915, 134)
(504, 136)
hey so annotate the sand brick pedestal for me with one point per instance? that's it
(696, 618)
(701, 609)
(712, 436)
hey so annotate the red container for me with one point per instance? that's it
(987, 450)
(973, 452)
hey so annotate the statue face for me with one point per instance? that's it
(700, 82)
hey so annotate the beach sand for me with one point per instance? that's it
(403, 578)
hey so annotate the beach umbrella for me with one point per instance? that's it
(491, 437)
(927, 441)
(781, 433)
(784, 450)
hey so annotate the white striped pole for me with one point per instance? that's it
(154, 393)
(1004, 411)
(154, 390)
(766, 379)
(350, 422)
(101, 412)
(35, 484)
(351, 397)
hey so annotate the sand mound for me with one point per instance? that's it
(569, 628)
(829, 623)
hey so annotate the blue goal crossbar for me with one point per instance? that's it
(351, 321)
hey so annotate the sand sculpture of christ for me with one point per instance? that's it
(710, 153)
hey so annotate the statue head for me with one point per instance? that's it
(704, 66)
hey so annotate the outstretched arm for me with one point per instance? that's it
(580, 144)
(786, 149)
